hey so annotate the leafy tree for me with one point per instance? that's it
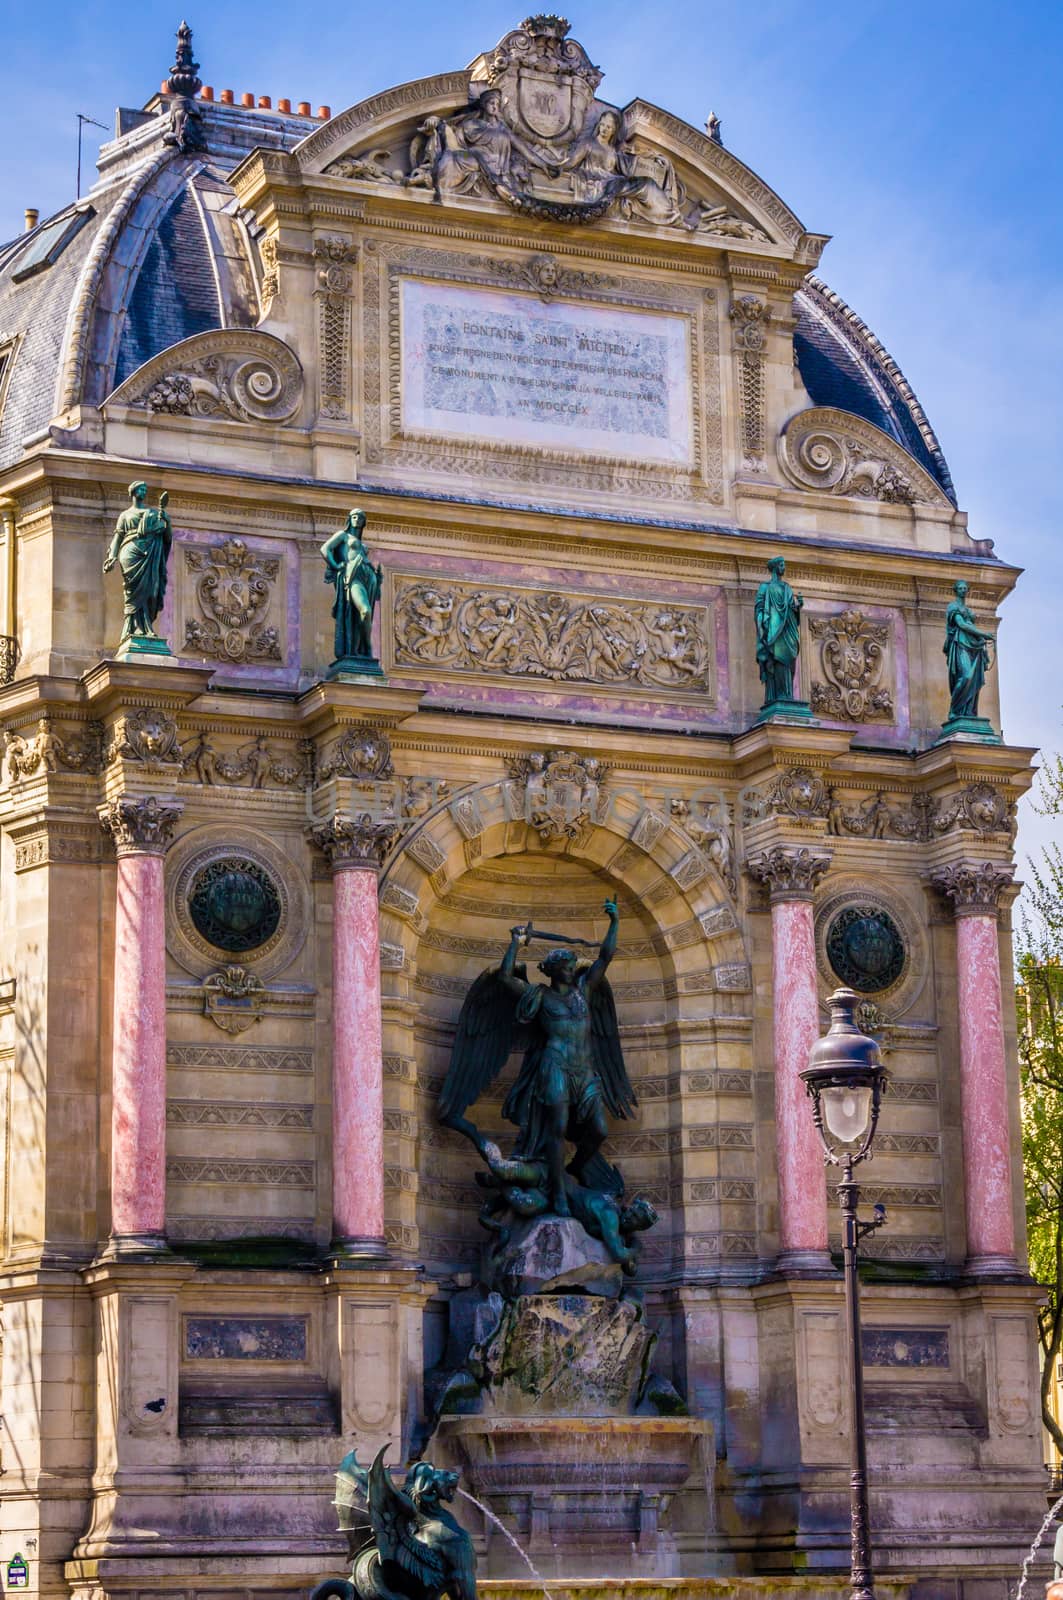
(1039, 959)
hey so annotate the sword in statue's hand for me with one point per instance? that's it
(528, 933)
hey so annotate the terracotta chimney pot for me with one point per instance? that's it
(32, 215)
(206, 93)
(227, 97)
(285, 106)
(247, 99)
(324, 112)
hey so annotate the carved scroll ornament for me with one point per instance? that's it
(240, 374)
(554, 636)
(837, 453)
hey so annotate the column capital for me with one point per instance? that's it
(791, 872)
(140, 825)
(355, 842)
(974, 887)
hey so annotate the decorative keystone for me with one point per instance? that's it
(140, 826)
(974, 887)
(791, 874)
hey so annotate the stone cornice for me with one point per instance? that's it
(140, 825)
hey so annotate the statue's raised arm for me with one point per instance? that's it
(608, 946)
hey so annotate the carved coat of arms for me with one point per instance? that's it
(233, 591)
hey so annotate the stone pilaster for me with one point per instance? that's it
(975, 889)
(142, 829)
(791, 874)
(355, 847)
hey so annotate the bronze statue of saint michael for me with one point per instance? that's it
(572, 1073)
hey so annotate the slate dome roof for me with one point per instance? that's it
(159, 250)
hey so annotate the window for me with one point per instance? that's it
(48, 242)
(7, 361)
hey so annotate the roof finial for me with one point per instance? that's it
(184, 74)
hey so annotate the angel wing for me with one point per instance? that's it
(607, 1055)
(488, 1032)
(395, 1519)
(352, 1500)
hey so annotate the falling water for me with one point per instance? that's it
(1042, 1530)
(517, 1547)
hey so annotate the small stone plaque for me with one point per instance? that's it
(245, 1338)
(906, 1347)
(505, 368)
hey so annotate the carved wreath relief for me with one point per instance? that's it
(233, 591)
(549, 635)
(535, 137)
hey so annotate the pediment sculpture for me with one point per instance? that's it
(534, 136)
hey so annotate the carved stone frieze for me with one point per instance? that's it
(838, 453)
(558, 791)
(146, 735)
(974, 887)
(979, 808)
(255, 762)
(48, 842)
(852, 658)
(335, 258)
(355, 841)
(50, 752)
(560, 637)
(233, 588)
(140, 825)
(270, 275)
(789, 873)
(240, 374)
(750, 318)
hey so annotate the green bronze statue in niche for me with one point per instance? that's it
(141, 545)
(969, 654)
(777, 613)
(357, 584)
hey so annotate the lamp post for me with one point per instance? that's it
(846, 1080)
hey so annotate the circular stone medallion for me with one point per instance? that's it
(865, 948)
(234, 904)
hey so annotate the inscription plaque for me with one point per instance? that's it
(487, 364)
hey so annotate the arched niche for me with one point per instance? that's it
(449, 896)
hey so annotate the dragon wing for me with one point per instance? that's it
(606, 1052)
(395, 1519)
(352, 1494)
(488, 1032)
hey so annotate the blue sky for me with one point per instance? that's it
(925, 137)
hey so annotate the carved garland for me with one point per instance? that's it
(750, 317)
(335, 283)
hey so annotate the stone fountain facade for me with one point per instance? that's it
(578, 369)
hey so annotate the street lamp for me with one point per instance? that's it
(846, 1080)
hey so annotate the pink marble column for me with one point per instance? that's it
(975, 890)
(355, 848)
(141, 829)
(792, 875)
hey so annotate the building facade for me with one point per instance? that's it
(577, 368)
